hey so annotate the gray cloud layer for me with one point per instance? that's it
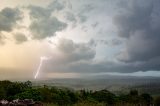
(140, 26)
(76, 52)
(43, 23)
(20, 38)
(8, 18)
(70, 53)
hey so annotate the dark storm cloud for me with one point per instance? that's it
(56, 5)
(110, 66)
(95, 25)
(43, 23)
(83, 14)
(112, 42)
(8, 18)
(71, 53)
(82, 18)
(75, 51)
(46, 27)
(140, 25)
(39, 12)
(90, 66)
(2, 39)
(136, 16)
(20, 38)
(70, 17)
(138, 29)
(115, 42)
(93, 43)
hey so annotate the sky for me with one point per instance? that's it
(79, 38)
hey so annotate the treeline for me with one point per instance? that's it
(64, 97)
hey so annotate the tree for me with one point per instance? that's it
(134, 97)
(29, 94)
(28, 84)
(123, 98)
(73, 96)
(104, 96)
(157, 101)
(15, 88)
(2, 93)
(146, 98)
(46, 94)
(133, 93)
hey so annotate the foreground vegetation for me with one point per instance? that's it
(53, 96)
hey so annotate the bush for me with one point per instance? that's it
(29, 94)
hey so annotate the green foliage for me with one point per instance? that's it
(28, 84)
(123, 98)
(157, 101)
(133, 93)
(53, 96)
(2, 93)
(15, 88)
(29, 94)
(46, 94)
(146, 98)
(9, 89)
(104, 96)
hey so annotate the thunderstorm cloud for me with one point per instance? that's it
(91, 37)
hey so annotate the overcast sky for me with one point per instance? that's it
(79, 38)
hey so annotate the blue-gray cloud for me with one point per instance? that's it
(20, 38)
(137, 28)
(9, 18)
(43, 24)
(71, 53)
(140, 26)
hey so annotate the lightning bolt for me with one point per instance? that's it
(39, 67)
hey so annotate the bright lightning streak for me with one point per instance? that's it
(39, 67)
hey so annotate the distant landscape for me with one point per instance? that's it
(114, 84)
(56, 93)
